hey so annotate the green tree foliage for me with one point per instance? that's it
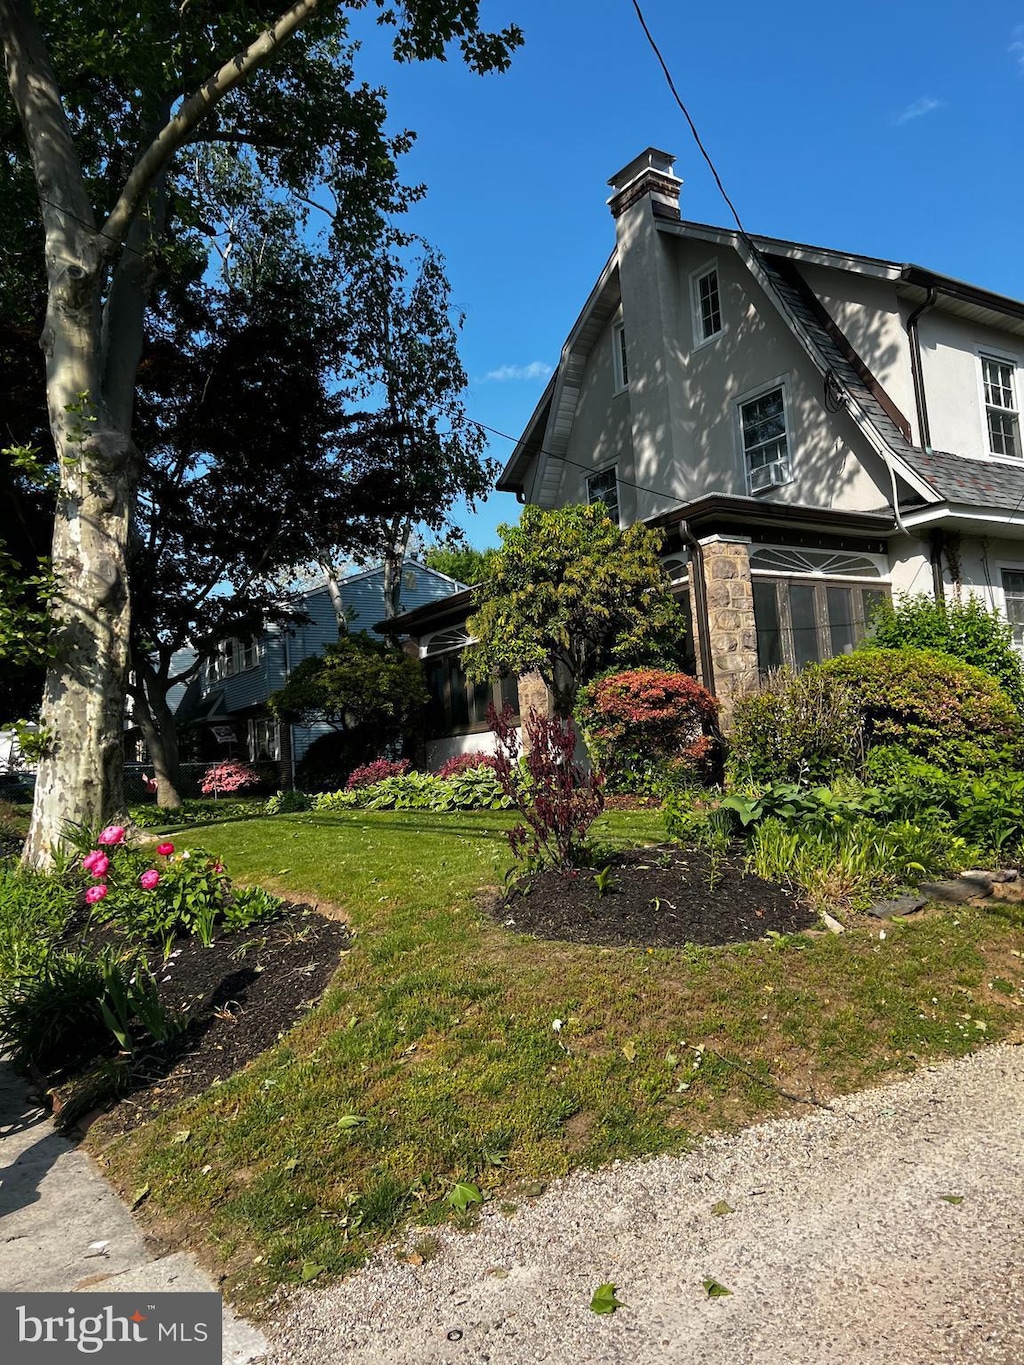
(357, 684)
(116, 114)
(569, 593)
(968, 630)
(459, 560)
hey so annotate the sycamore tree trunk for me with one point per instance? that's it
(98, 280)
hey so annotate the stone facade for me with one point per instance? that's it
(733, 636)
(534, 695)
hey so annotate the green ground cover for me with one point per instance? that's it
(450, 1050)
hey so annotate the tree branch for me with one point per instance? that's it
(199, 105)
(36, 96)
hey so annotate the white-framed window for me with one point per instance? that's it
(706, 301)
(1013, 603)
(233, 656)
(764, 436)
(264, 738)
(1002, 418)
(620, 360)
(604, 487)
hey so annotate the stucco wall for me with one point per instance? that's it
(868, 312)
(952, 377)
(683, 398)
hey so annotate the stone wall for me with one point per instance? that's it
(730, 621)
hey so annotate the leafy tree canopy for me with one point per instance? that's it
(967, 630)
(569, 593)
(459, 560)
(357, 684)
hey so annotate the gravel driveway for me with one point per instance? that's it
(840, 1250)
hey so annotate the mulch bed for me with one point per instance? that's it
(241, 994)
(662, 897)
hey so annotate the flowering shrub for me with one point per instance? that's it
(464, 763)
(230, 776)
(372, 773)
(648, 719)
(155, 897)
(556, 799)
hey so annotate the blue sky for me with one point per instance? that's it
(891, 130)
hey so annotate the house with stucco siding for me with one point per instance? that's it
(811, 428)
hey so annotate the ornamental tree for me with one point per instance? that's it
(96, 189)
(360, 687)
(568, 594)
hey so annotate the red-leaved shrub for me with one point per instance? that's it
(371, 773)
(230, 776)
(558, 801)
(464, 763)
(649, 716)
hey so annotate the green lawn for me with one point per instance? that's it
(437, 1037)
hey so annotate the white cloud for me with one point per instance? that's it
(1016, 48)
(918, 109)
(507, 374)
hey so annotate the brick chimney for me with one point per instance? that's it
(650, 173)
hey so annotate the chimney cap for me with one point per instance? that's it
(651, 159)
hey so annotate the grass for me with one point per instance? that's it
(433, 1059)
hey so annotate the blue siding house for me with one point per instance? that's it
(226, 706)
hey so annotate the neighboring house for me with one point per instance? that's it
(227, 704)
(811, 428)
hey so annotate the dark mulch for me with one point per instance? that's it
(661, 897)
(241, 994)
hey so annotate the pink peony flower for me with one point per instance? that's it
(165, 850)
(113, 834)
(96, 862)
(95, 893)
(149, 879)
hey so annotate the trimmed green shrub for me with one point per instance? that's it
(932, 705)
(967, 630)
(648, 727)
(798, 727)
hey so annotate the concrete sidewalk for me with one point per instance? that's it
(62, 1227)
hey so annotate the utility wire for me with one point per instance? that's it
(693, 127)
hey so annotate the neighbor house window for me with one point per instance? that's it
(765, 442)
(707, 305)
(1001, 406)
(1013, 592)
(233, 656)
(619, 356)
(264, 739)
(604, 487)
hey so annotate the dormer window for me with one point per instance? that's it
(707, 304)
(1001, 415)
(619, 360)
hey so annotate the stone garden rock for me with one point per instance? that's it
(901, 905)
(958, 891)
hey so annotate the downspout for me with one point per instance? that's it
(699, 603)
(917, 369)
